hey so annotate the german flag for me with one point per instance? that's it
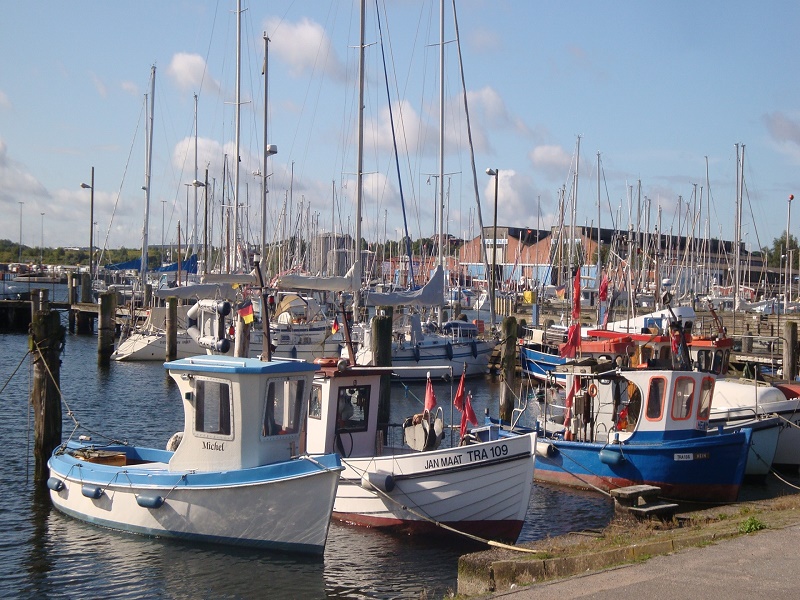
(246, 312)
(335, 326)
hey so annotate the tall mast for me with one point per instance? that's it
(441, 147)
(360, 161)
(268, 151)
(149, 165)
(238, 128)
(195, 184)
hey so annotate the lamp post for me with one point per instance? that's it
(90, 187)
(20, 231)
(496, 174)
(41, 245)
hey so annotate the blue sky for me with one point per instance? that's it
(659, 89)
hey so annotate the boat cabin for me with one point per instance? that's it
(239, 412)
(614, 406)
(343, 411)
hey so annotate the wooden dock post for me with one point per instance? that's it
(46, 341)
(86, 288)
(172, 328)
(509, 367)
(106, 326)
(72, 298)
(789, 350)
(382, 357)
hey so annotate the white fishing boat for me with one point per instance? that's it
(236, 476)
(482, 489)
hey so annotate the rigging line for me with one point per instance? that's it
(10, 377)
(424, 517)
(394, 144)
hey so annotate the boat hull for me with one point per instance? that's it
(440, 358)
(153, 346)
(284, 506)
(707, 469)
(481, 489)
(539, 364)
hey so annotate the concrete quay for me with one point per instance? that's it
(742, 550)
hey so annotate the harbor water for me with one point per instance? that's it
(44, 553)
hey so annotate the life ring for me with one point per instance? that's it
(592, 391)
(326, 362)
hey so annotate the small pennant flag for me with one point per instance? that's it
(468, 415)
(430, 395)
(246, 312)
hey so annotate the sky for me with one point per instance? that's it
(663, 92)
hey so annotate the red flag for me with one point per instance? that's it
(603, 291)
(430, 396)
(576, 296)
(458, 401)
(573, 345)
(467, 415)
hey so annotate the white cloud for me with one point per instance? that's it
(130, 88)
(304, 46)
(189, 73)
(99, 85)
(552, 161)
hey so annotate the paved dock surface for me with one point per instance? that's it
(764, 564)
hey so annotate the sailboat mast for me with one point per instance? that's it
(238, 128)
(195, 184)
(267, 151)
(149, 163)
(441, 147)
(359, 160)
(484, 253)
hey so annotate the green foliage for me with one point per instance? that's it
(751, 525)
(778, 249)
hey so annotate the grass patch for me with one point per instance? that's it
(751, 525)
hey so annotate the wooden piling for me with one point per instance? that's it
(46, 341)
(509, 367)
(789, 350)
(241, 345)
(86, 288)
(172, 328)
(106, 326)
(72, 298)
(382, 357)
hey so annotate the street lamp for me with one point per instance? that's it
(496, 174)
(91, 223)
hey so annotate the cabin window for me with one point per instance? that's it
(704, 407)
(283, 402)
(352, 412)
(683, 398)
(212, 411)
(718, 362)
(315, 403)
(655, 398)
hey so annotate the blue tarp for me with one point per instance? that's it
(131, 265)
(188, 265)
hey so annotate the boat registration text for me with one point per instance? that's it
(468, 456)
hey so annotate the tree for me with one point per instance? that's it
(776, 252)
